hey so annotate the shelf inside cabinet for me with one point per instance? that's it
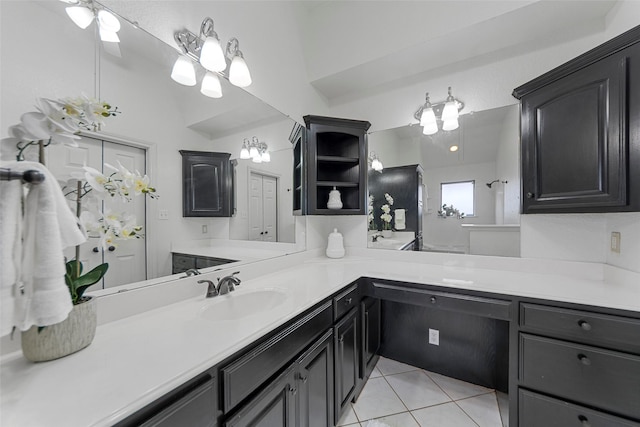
(338, 159)
(337, 184)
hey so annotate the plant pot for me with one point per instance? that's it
(62, 339)
(386, 233)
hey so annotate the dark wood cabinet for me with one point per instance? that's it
(315, 384)
(184, 262)
(298, 140)
(332, 153)
(370, 318)
(346, 364)
(580, 130)
(207, 184)
(275, 406)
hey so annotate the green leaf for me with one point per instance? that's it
(73, 269)
(78, 285)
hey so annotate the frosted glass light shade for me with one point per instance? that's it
(266, 157)
(183, 71)
(450, 124)
(211, 55)
(239, 72)
(81, 16)
(211, 85)
(376, 165)
(108, 21)
(109, 36)
(253, 153)
(450, 111)
(244, 153)
(427, 117)
(257, 159)
(430, 128)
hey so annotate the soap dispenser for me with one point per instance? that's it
(335, 245)
(334, 199)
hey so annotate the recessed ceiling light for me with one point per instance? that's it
(453, 148)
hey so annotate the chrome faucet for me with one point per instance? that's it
(191, 272)
(375, 237)
(225, 285)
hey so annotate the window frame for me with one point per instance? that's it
(473, 194)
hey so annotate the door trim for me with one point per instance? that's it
(275, 176)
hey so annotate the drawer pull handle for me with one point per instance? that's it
(584, 325)
(584, 359)
(584, 420)
(303, 379)
(433, 300)
(530, 195)
(294, 391)
(348, 301)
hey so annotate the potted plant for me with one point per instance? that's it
(59, 122)
(386, 216)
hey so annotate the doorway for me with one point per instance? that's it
(263, 207)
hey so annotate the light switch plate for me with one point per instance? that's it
(163, 214)
(615, 241)
(434, 336)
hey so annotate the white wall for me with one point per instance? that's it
(508, 168)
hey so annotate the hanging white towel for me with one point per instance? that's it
(12, 193)
(41, 295)
(400, 223)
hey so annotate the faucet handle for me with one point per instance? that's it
(236, 280)
(211, 288)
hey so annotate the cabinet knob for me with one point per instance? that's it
(261, 233)
(433, 300)
(530, 195)
(584, 359)
(294, 391)
(96, 250)
(112, 248)
(266, 232)
(584, 420)
(341, 339)
(348, 301)
(303, 378)
(584, 325)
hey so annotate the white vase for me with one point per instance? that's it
(386, 233)
(62, 339)
(334, 199)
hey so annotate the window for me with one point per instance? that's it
(459, 195)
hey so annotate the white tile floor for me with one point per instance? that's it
(400, 395)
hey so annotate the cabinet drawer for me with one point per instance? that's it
(617, 332)
(249, 372)
(182, 263)
(606, 379)
(479, 306)
(345, 301)
(537, 410)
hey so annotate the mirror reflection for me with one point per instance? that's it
(468, 200)
(158, 118)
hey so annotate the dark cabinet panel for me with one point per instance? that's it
(580, 138)
(371, 317)
(333, 154)
(346, 361)
(273, 407)
(315, 384)
(207, 184)
(184, 262)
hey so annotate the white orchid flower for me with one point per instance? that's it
(96, 179)
(385, 208)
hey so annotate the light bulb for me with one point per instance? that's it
(108, 21)
(108, 36)
(211, 85)
(375, 164)
(253, 152)
(453, 148)
(450, 124)
(183, 71)
(266, 157)
(239, 72)
(80, 15)
(211, 55)
(430, 128)
(427, 117)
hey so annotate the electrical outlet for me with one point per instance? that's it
(163, 214)
(205, 229)
(615, 241)
(434, 336)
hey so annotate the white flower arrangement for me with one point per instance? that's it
(370, 213)
(386, 217)
(389, 199)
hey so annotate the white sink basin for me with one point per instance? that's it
(237, 305)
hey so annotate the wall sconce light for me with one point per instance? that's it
(205, 48)
(374, 162)
(84, 12)
(255, 150)
(446, 111)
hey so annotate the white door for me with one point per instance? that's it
(263, 208)
(127, 259)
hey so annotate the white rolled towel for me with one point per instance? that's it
(400, 219)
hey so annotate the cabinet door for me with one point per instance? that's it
(574, 141)
(273, 407)
(207, 184)
(346, 361)
(315, 384)
(370, 321)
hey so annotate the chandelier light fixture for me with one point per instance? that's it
(255, 150)
(374, 162)
(447, 112)
(84, 12)
(206, 49)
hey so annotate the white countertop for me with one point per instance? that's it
(135, 360)
(396, 240)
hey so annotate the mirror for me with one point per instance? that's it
(486, 161)
(161, 117)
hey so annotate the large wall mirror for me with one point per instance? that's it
(474, 168)
(158, 118)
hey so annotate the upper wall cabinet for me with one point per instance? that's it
(332, 153)
(207, 184)
(581, 132)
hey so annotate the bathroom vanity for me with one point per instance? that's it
(317, 330)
